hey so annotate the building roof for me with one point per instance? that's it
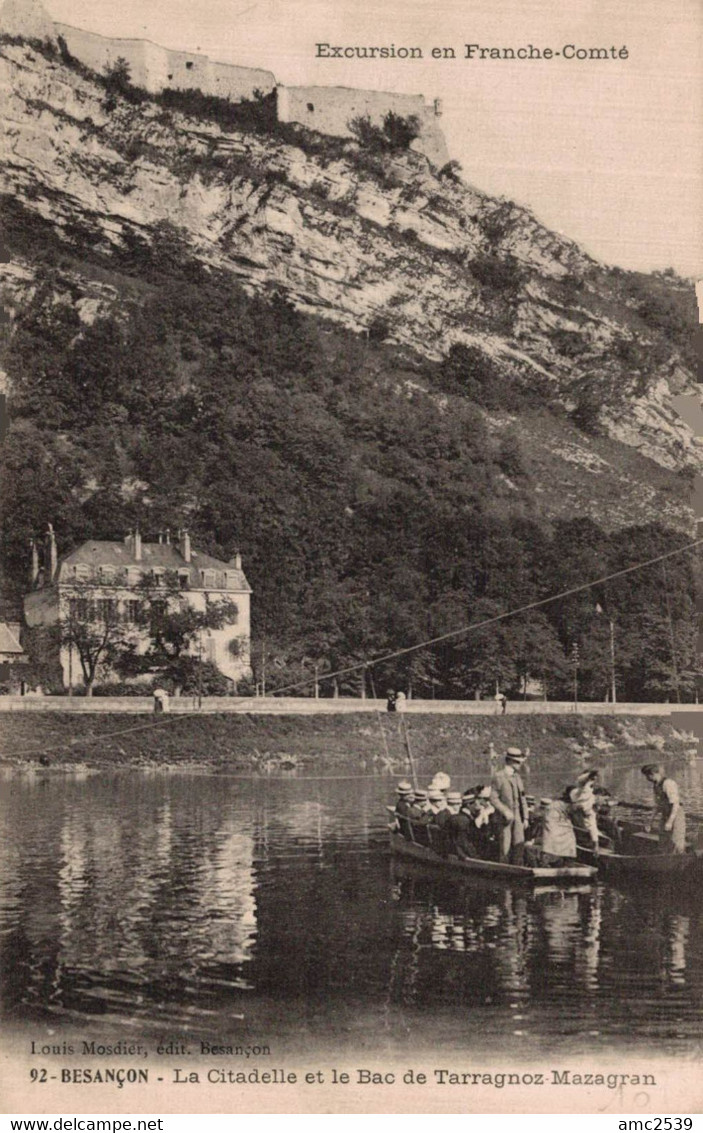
(165, 556)
(8, 641)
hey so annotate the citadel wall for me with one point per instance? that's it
(326, 109)
(330, 109)
(156, 68)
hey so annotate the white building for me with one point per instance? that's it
(104, 582)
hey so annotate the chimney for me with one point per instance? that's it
(161, 537)
(34, 571)
(237, 561)
(168, 535)
(137, 545)
(184, 546)
(51, 559)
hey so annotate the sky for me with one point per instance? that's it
(607, 152)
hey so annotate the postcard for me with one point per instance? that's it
(349, 674)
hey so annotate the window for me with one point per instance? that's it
(82, 571)
(210, 649)
(157, 614)
(311, 107)
(106, 573)
(78, 609)
(132, 610)
(183, 579)
(106, 610)
(189, 65)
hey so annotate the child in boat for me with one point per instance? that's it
(555, 842)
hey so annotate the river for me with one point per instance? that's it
(267, 910)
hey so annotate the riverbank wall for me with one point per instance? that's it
(353, 742)
(309, 706)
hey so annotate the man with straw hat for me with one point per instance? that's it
(404, 801)
(512, 812)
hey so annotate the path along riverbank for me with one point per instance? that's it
(348, 741)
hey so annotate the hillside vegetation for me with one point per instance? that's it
(404, 402)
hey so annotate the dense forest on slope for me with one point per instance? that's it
(373, 504)
(471, 414)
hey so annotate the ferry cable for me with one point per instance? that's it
(240, 709)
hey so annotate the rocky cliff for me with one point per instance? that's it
(381, 243)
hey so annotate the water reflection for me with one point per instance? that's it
(218, 906)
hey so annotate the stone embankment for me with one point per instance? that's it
(350, 740)
(307, 706)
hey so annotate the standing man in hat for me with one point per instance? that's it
(668, 810)
(512, 812)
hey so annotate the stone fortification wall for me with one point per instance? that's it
(330, 109)
(155, 68)
(326, 109)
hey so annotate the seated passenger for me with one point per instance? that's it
(438, 805)
(441, 782)
(403, 804)
(420, 809)
(420, 816)
(440, 817)
(453, 801)
(486, 834)
(461, 829)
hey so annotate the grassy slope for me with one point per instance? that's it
(353, 742)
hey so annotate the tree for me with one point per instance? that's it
(93, 625)
(400, 131)
(117, 76)
(175, 632)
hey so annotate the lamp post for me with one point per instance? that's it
(200, 669)
(575, 666)
(611, 626)
(613, 690)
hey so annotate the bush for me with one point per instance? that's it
(502, 274)
(450, 172)
(378, 329)
(468, 371)
(569, 343)
(510, 456)
(394, 136)
(257, 114)
(122, 688)
(117, 80)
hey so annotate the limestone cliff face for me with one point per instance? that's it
(388, 244)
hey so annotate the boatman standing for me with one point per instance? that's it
(668, 810)
(512, 812)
